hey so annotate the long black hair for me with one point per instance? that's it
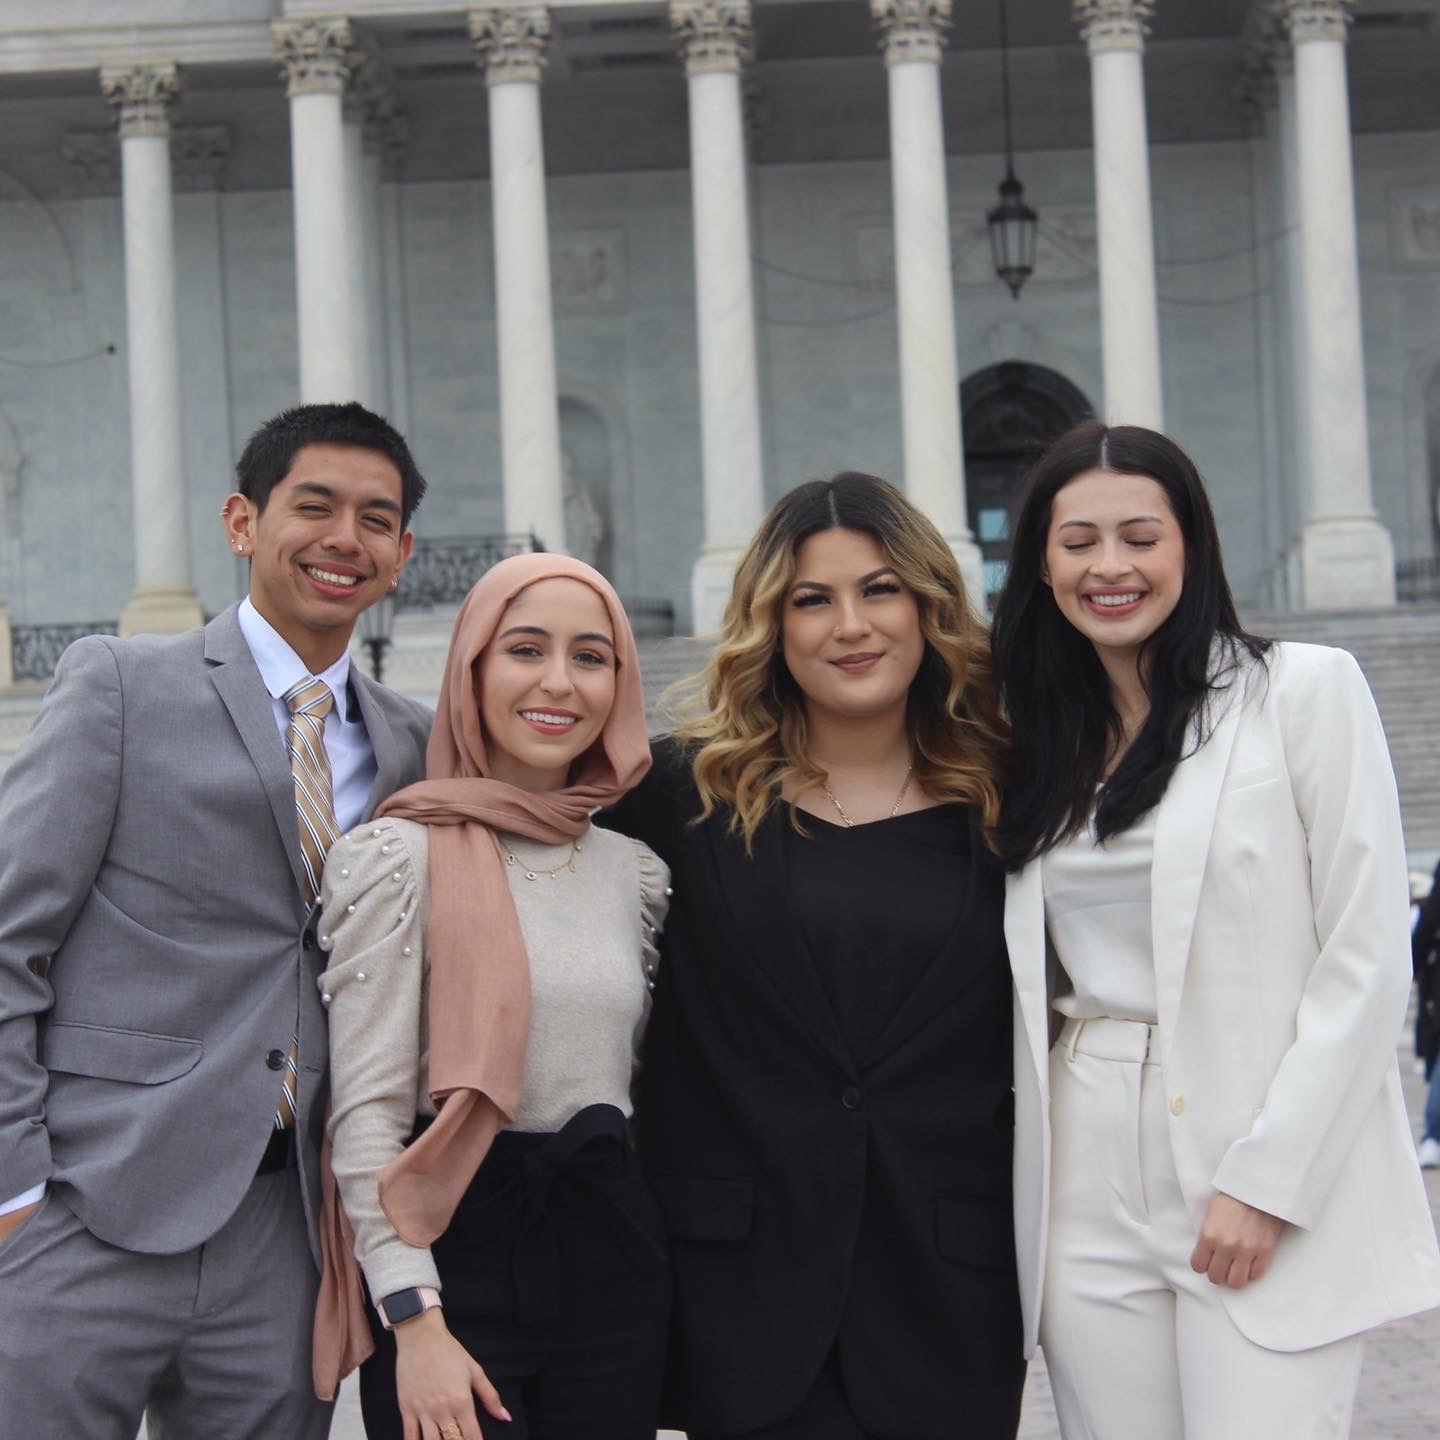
(1051, 682)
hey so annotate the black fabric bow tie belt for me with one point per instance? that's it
(527, 1181)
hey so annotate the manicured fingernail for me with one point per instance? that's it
(505, 1414)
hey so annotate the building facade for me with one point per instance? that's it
(624, 272)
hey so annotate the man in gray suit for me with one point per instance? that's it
(162, 1046)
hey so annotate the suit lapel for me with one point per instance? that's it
(237, 680)
(757, 891)
(1025, 940)
(388, 772)
(1184, 824)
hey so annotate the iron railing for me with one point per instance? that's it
(1417, 582)
(35, 650)
(441, 572)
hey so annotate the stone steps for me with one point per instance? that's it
(1399, 652)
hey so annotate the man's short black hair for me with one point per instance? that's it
(271, 450)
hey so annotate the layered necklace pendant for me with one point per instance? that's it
(553, 873)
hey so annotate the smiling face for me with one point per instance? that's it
(327, 545)
(850, 633)
(1115, 560)
(547, 682)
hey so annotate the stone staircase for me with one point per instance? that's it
(1399, 651)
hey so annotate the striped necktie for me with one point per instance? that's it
(309, 702)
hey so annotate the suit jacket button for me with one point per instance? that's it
(275, 1059)
(307, 941)
(850, 1097)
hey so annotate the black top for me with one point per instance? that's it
(852, 890)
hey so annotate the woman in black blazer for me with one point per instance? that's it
(825, 1108)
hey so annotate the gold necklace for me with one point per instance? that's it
(568, 863)
(894, 809)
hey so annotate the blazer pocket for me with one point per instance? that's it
(1254, 778)
(716, 1210)
(979, 1233)
(103, 1053)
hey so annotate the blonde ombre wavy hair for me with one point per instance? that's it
(743, 719)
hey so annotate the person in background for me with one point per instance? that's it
(826, 1110)
(1203, 827)
(162, 1048)
(487, 986)
(1425, 957)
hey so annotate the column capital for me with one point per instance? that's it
(142, 96)
(1315, 19)
(316, 55)
(1114, 24)
(911, 29)
(199, 155)
(713, 34)
(511, 41)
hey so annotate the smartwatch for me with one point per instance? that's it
(405, 1305)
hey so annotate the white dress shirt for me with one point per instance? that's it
(347, 744)
(352, 757)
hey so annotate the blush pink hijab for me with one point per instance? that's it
(479, 997)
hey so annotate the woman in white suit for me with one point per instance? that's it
(1204, 834)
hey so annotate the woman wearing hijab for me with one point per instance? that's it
(489, 978)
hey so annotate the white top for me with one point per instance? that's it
(347, 745)
(1097, 911)
(590, 938)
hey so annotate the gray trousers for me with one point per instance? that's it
(212, 1343)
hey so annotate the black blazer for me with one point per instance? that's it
(813, 1201)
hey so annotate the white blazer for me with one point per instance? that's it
(1279, 911)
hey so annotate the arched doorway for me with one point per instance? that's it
(1011, 412)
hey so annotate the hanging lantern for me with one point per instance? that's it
(1012, 222)
(1012, 234)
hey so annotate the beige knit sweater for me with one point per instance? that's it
(590, 937)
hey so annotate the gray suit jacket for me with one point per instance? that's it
(154, 942)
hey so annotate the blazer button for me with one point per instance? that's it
(307, 941)
(275, 1059)
(1177, 1105)
(850, 1097)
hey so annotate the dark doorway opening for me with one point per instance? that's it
(1011, 412)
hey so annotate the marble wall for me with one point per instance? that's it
(625, 345)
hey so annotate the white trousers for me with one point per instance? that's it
(1138, 1346)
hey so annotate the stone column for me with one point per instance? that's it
(358, 240)
(912, 36)
(511, 41)
(716, 40)
(1114, 33)
(1346, 555)
(164, 600)
(316, 56)
(373, 301)
(392, 136)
